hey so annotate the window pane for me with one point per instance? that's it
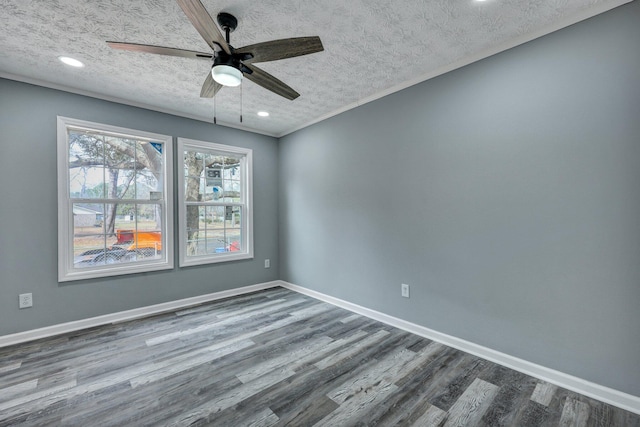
(149, 177)
(149, 217)
(147, 238)
(233, 241)
(88, 235)
(85, 242)
(217, 237)
(88, 218)
(211, 193)
(194, 189)
(92, 246)
(217, 213)
(86, 165)
(206, 216)
(148, 185)
(193, 173)
(86, 182)
(195, 216)
(194, 242)
(233, 217)
(125, 184)
(232, 191)
(120, 164)
(98, 254)
(193, 164)
(207, 241)
(213, 177)
(232, 185)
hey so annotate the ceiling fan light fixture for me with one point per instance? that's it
(226, 75)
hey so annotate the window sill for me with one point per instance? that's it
(111, 270)
(206, 259)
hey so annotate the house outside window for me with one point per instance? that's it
(215, 194)
(115, 199)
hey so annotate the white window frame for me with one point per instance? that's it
(247, 202)
(66, 270)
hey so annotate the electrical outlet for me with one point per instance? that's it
(404, 288)
(25, 300)
(267, 263)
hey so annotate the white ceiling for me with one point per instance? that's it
(372, 48)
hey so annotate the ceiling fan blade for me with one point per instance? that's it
(282, 49)
(203, 22)
(267, 81)
(160, 50)
(210, 87)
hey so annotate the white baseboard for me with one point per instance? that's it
(604, 394)
(123, 316)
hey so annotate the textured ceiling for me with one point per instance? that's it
(372, 48)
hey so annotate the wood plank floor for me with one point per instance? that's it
(273, 358)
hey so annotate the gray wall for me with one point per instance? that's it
(506, 193)
(28, 212)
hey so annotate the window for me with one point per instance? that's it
(114, 200)
(214, 189)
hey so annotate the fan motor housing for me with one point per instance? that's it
(222, 58)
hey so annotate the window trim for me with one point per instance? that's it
(66, 271)
(247, 191)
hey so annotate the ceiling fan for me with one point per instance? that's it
(231, 64)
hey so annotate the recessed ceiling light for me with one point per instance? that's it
(71, 61)
(263, 114)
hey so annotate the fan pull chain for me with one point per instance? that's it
(214, 110)
(241, 103)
